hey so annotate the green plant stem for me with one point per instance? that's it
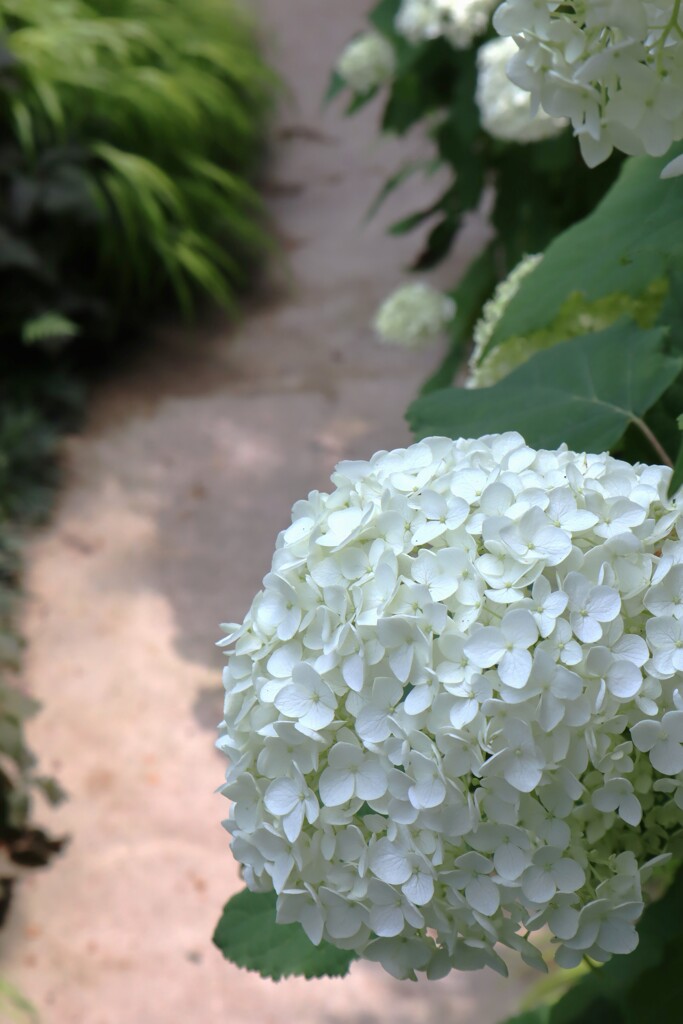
(654, 441)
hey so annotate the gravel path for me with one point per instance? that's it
(174, 495)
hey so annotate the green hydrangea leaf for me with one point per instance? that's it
(570, 393)
(248, 935)
(632, 237)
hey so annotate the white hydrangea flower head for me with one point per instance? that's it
(491, 314)
(367, 62)
(413, 315)
(613, 67)
(505, 109)
(458, 21)
(453, 713)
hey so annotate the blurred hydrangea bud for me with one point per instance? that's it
(458, 21)
(367, 62)
(505, 109)
(413, 315)
(577, 316)
(492, 311)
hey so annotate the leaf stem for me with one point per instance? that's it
(654, 441)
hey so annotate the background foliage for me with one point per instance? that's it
(538, 188)
(130, 135)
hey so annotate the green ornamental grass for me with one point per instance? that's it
(153, 111)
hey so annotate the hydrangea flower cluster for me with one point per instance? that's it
(458, 21)
(614, 68)
(453, 712)
(414, 314)
(505, 109)
(367, 62)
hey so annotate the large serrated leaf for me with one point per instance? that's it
(584, 392)
(632, 237)
(249, 936)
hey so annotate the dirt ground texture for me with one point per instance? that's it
(174, 494)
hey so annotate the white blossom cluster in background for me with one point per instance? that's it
(613, 67)
(458, 21)
(367, 62)
(485, 371)
(453, 712)
(413, 315)
(504, 108)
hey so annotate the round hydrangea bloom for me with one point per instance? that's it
(453, 713)
(505, 109)
(613, 67)
(367, 62)
(458, 21)
(413, 314)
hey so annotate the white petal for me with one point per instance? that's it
(336, 787)
(603, 604)
(645, 734)
(564, 922)
(631, 811)
(401, 661)
(514, 668)
(281, 663)
(483, 895)
(371, 781)
(293, 701)
(667, 757)
(353, 672)
(293, 822)
(524, 774)
(624, 679)
(510, 861)
(317, 717)
(674, 168)
(419, 889)
(418, 700)
(569, 875)
(389, 863)
(519, 627)
(282, 796)
(485, 647)
(372, 725)
(427, 793)
(386, 921)
(538, 884)
(617, 936)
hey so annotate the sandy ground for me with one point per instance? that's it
(174, 495)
